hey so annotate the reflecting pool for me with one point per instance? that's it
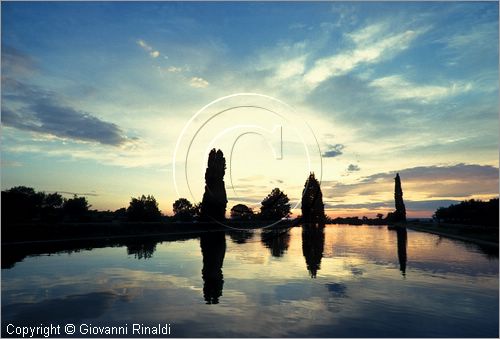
(308, 281)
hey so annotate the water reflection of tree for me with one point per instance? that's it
(213, 249)
(240, 236)
(141, 248)
(402, 244)
(276, 240)
(313, 241)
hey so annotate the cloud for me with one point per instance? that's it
(30, 108)
(460, 181)
(333, 151)
(173, 69)
(353, 168)
(369, 48)
(479, 35)
(197, 82)
(16, 63)
(412, 205)
(397, 87)
(75, 193)
(152, 52)
(291, 68)
(367, 33)
(10, 163)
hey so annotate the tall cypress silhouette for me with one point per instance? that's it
(213, 206)
(400, 213)
(313, 209)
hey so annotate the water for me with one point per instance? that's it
(343, 281)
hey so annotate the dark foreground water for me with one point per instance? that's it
(340, 281)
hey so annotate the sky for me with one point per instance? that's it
(98, 99)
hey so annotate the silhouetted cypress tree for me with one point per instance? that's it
(214, 201)
(313, 209)
(400, 213)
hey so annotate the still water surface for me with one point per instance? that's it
(340, 281)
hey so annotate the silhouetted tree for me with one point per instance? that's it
(120, 214)
(313, 209)
(470, 212)
(380, 216)
(144, 208)
(183, 209)
(275, 206)
(197, 210)
(399, 215)
(313, 242)
(52, 207)
(76, 208)
(277, 240)
(213, 249)
(20, 204)
(53, 200)
(213, 205)
(241, 212)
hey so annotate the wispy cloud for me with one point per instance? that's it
(479, 35)
(75, 193)
(291, 68)
(173, 69)
(396, 87)
(148, 48)
(372, 44)
(420, 205)
(16, 63)
(198, 82)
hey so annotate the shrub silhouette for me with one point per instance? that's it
(144, 208)
(183, 209)
(275, 206)
(241, 212)
(77, 208)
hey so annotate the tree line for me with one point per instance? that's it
(24, 204)
(470, 212)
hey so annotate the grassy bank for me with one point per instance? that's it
(44, 232)
(481, 235)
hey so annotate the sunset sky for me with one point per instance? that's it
(95, 96)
